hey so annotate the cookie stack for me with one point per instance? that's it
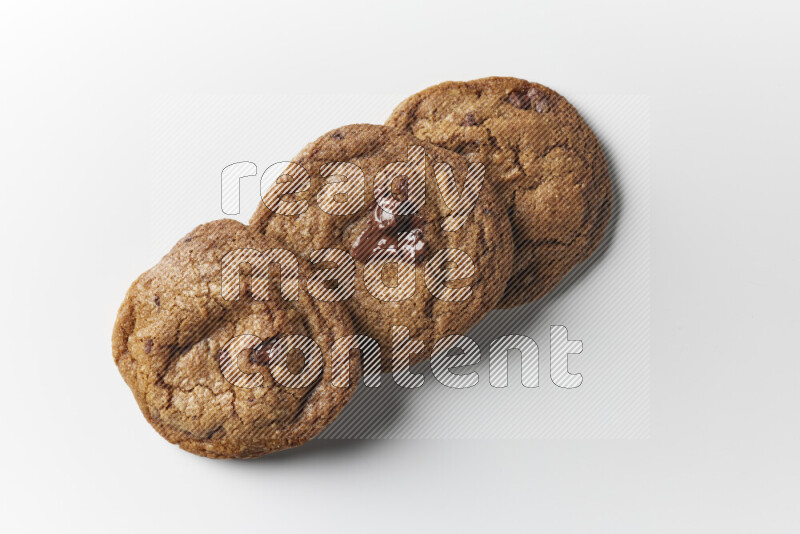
(389, 240)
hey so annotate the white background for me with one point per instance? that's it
(78, 81)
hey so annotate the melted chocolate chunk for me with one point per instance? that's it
(261, 354)
(390, 230)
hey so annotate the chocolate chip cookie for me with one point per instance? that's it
(373, 193)
(218, 361)
(543, 158)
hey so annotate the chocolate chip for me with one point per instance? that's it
(532, 98)
(469, 120)
(541, 104)
(148, 345)
(518, 99)
(337, 135)
(157, 301)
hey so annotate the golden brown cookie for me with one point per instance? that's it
(212, 368)
(543, 158)
(359, 189)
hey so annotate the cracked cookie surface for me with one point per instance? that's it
(485, 235)
(543, 158)
(168, 340)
